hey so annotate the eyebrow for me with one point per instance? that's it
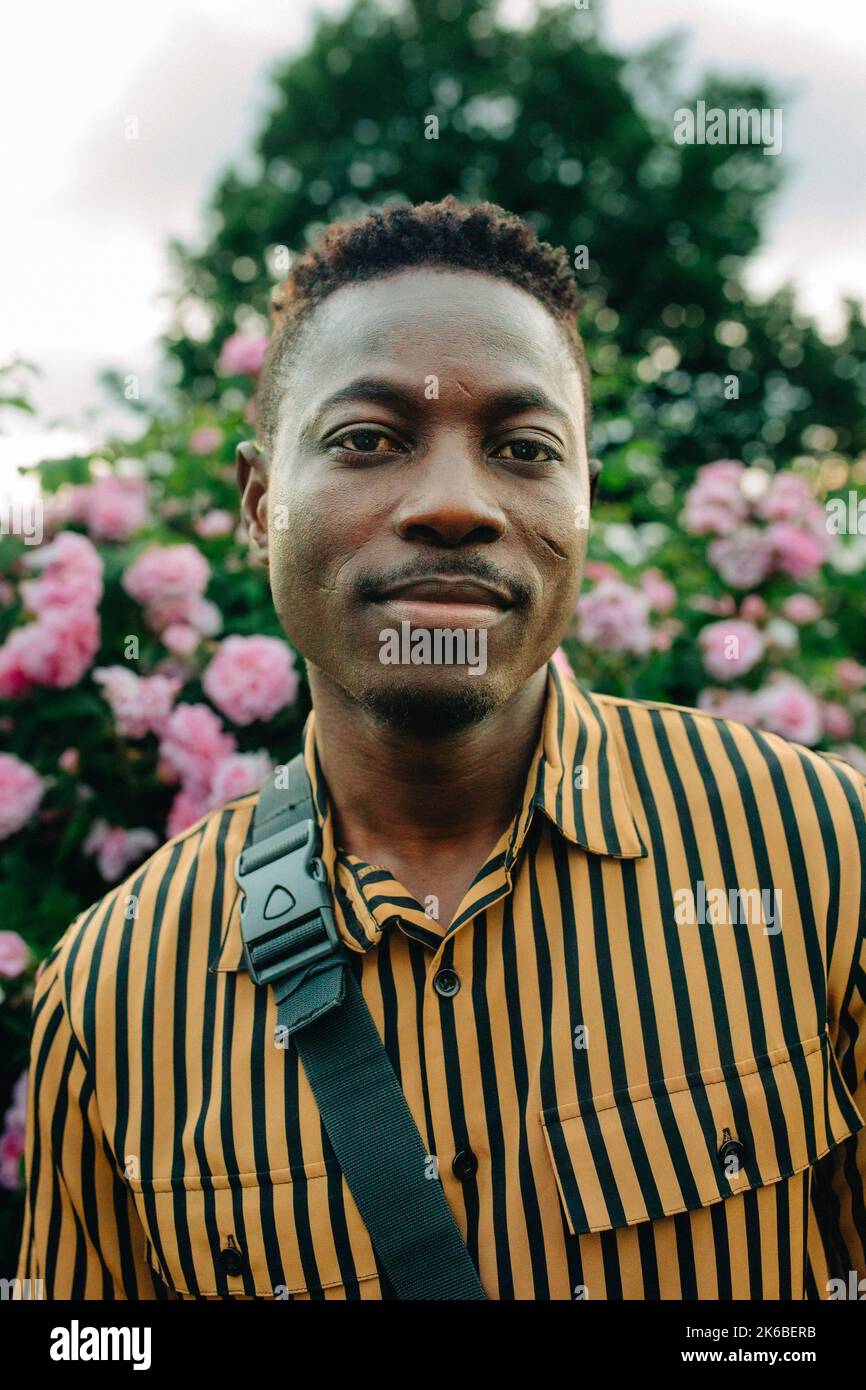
(526, 398)
(499, 404)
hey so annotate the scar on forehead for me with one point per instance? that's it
(463, 389)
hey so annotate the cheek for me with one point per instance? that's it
(302, 521)
(556, 530)
(315, 527)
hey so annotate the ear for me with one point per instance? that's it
(253, 484)
(594, 471)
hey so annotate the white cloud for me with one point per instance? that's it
(83, 258)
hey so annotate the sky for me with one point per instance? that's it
(83, 263)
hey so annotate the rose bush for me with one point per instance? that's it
(144, 679)
(767, 624)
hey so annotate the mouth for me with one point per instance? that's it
(444, 601)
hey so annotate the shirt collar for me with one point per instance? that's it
(576, 779)
(582, 786)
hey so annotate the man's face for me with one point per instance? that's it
(447, 488)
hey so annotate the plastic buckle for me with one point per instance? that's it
(285, 890)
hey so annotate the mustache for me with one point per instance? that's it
(456, 567)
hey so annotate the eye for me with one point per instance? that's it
(367, 440)
(527, 451)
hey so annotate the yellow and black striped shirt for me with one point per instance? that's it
(626, 1097)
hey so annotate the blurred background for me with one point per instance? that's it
(165, 167)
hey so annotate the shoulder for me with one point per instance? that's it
(173, 907)
(724, 755)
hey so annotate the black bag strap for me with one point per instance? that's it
(291, 942)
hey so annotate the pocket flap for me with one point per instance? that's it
(255, 1235)
(654, 1150)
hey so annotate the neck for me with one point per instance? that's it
(391, 789)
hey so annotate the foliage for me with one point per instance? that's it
(548, 123)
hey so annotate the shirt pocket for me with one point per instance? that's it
(277, 1235)
(686, 1142)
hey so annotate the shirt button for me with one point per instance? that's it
(446, 982)
(464, 1165)
(231, 1261)
(731, 1155)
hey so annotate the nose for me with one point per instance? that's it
(449, 502)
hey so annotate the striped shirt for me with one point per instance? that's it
(649, 1082)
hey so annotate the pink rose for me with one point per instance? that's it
(193, 744)
(117, 507)
(753, 609)
(251, 678)
(71, 575)
(661, 593)
(242, 355)
(614, 617)
(67, 647)
(788, 498)
(117, 849)
(730, 704)
(205, 617)
(111, 508)
(14, 954)
(216, 522)
(596, 570)
(730, 648)
(56, 650)
(715, 503)
(21, 791)
(60, 645)
(838, 721)
(743, 560)
(850, 674)
(801, 608)
(186, 809)
(796, 552)
(205, 440)
(11, 1153)
(16, 1115)
(723, 607)
(140, 704)
(14, 681)
(190, 610)
(175, 668)
(786, 706)
(181, 638)
(239, 774)
(166, 572)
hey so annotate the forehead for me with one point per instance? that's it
(465, 325)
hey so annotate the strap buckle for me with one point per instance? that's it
(287, 918)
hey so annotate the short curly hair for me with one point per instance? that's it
(479, 236)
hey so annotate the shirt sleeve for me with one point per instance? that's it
(82, 1238)
(843, 1175)
(839, 1179)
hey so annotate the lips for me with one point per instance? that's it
(447, 591)
(444, 601)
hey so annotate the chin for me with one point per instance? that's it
(431, 709)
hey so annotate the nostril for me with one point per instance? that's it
(449, 535)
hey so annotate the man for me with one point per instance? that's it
(621, 1098)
